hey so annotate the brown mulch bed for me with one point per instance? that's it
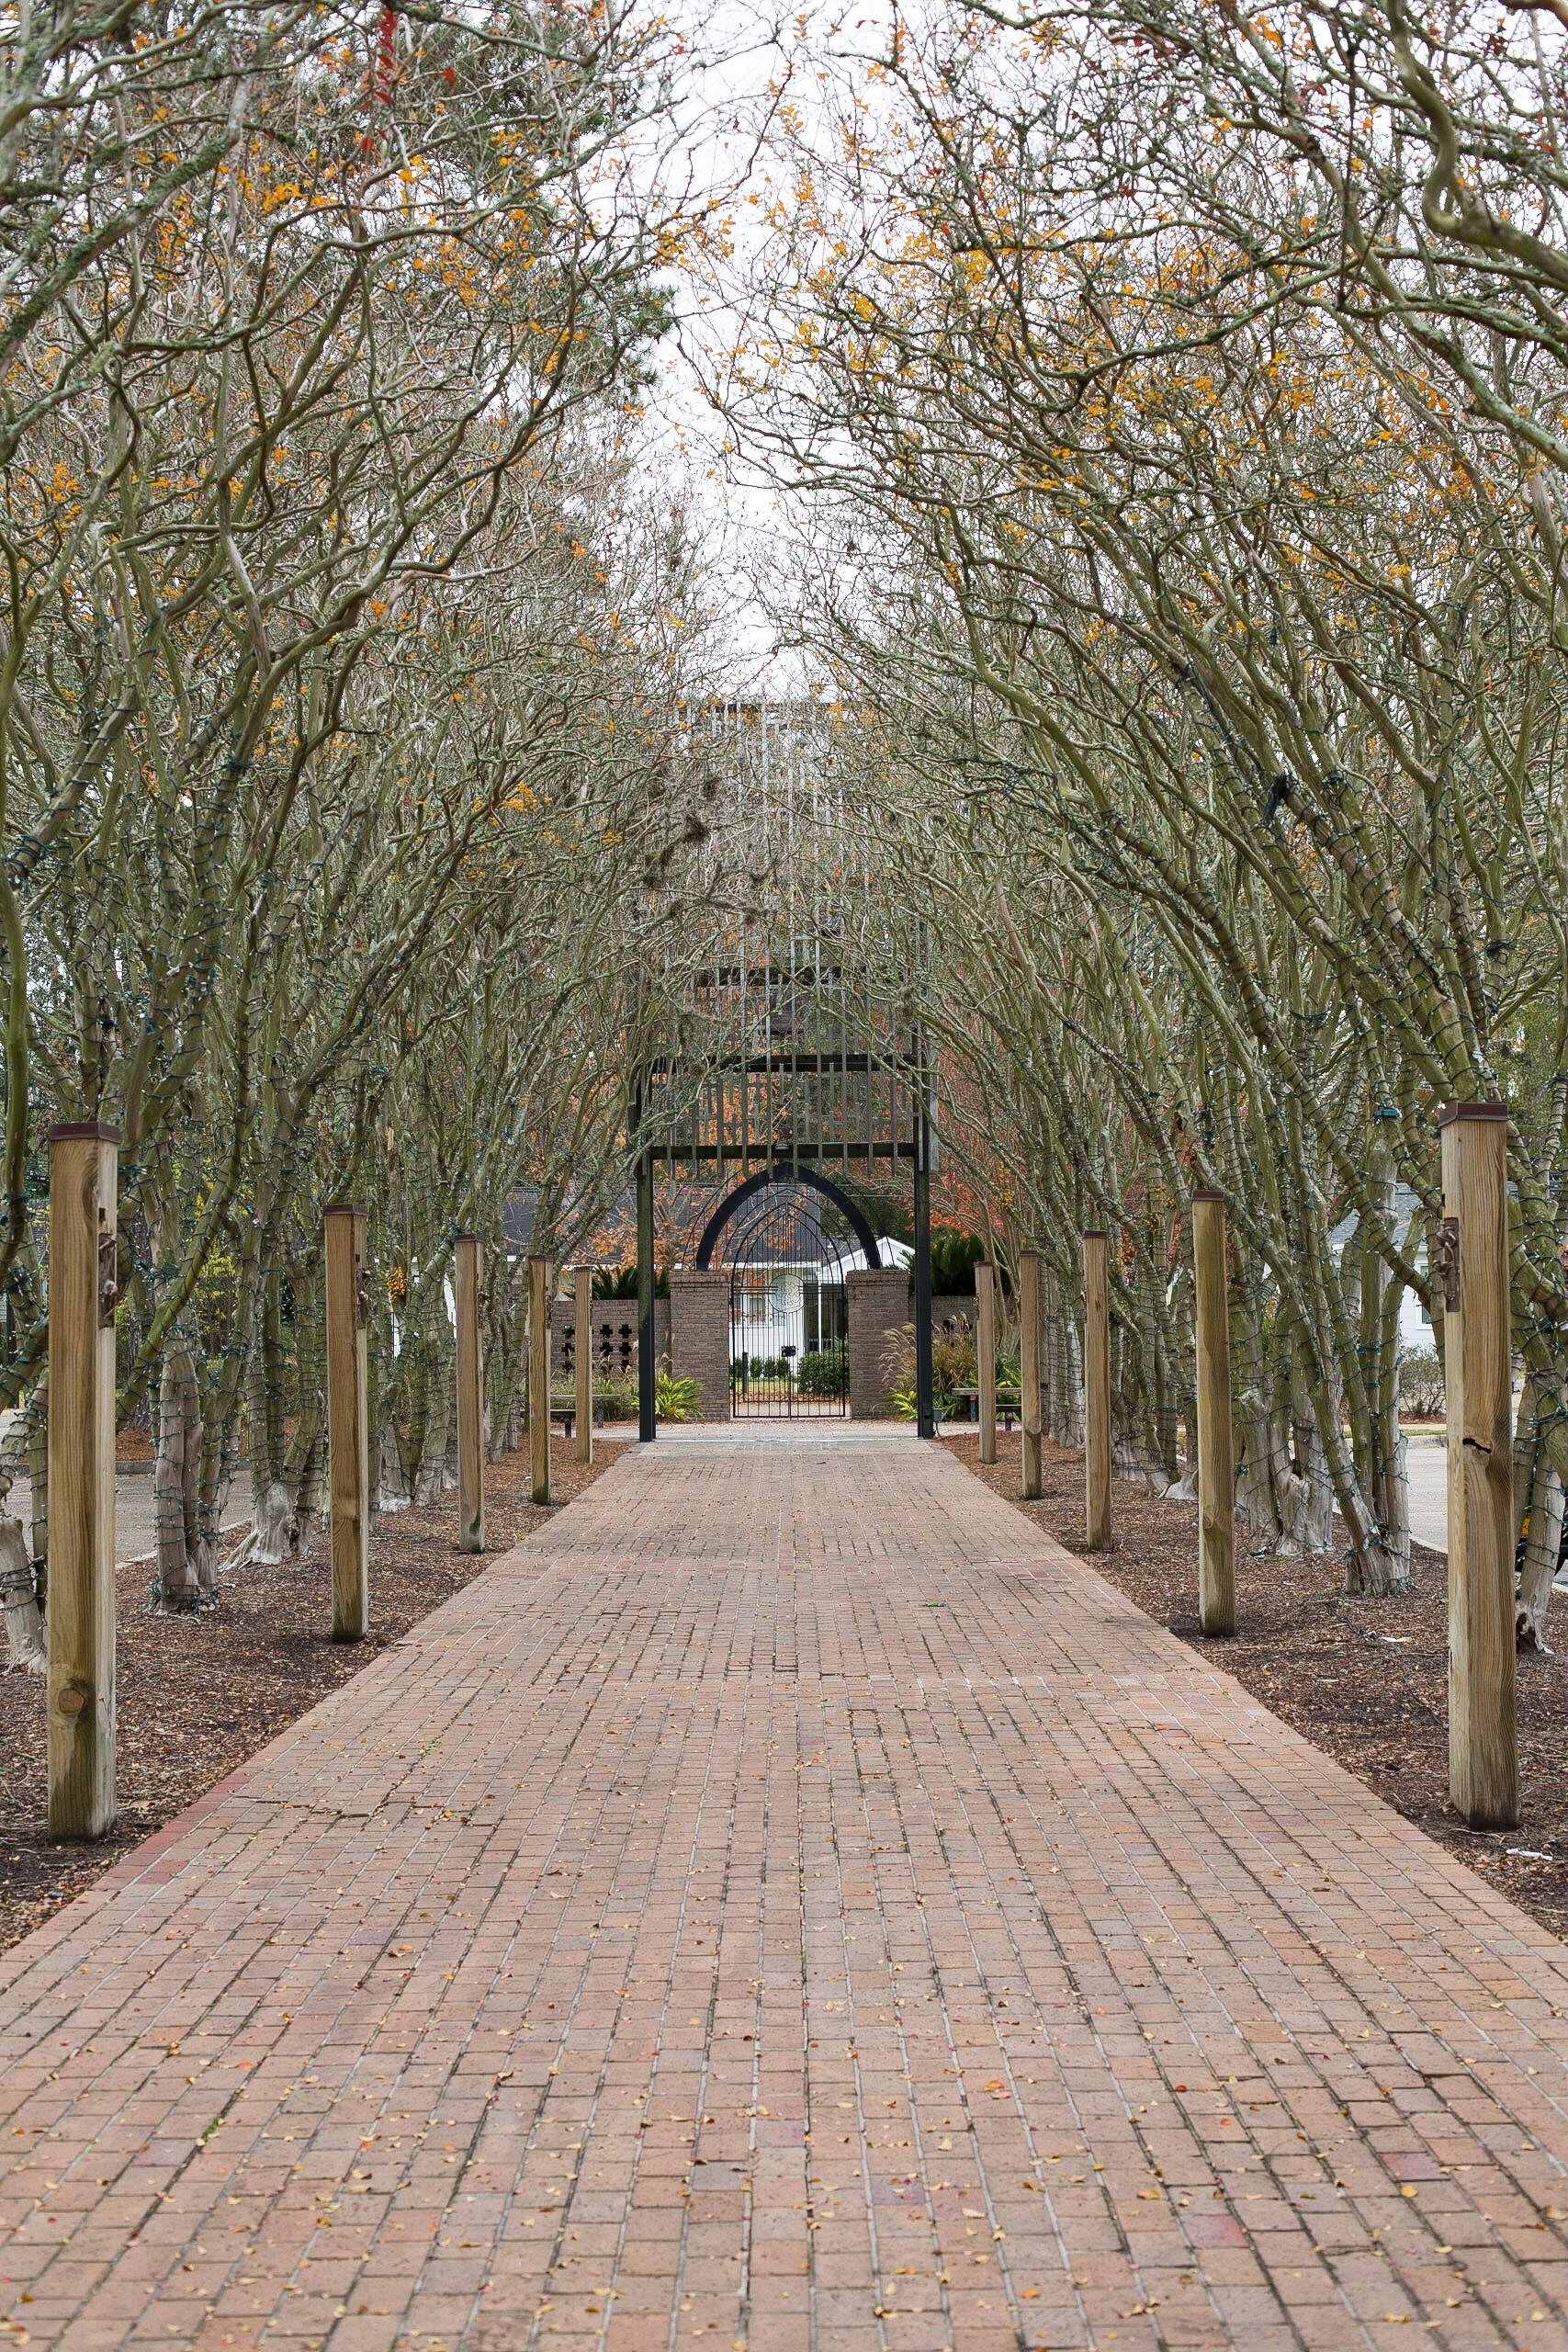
(197, 1695)
(1364, 1679)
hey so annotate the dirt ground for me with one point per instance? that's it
(200, 1695)
(1366, 1679)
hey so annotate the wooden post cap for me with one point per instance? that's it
(83, 1131)
(1211, 1197)
(344, 1208)
(1452, 1111)
(1095, 1233)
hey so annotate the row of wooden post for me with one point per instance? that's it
(82, 1201)
(1472, 1249)
(1217, 1548)
(1471, 1254)
(347, 1406)
(348, 1410)
(346, 1400)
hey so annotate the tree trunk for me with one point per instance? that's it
(1262, 1464)
(25, 1650)
(1314, 1520)
(391, 1485)
(183, 1575)
(1064, 1380)
(1291, 1498)
(1540, 1565)
(1184, 1486)
(274, 1533)
(1380, 1294)
(38, 1472)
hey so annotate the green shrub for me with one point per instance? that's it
(1421, 1388)
(674, 1400)
(954, 1257)
(618, 1390)
(943, 1406)
(620, 1282)
(953, 1362)
(822, 1372)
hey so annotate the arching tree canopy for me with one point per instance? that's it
(1166, 413)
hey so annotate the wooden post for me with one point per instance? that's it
(986, 1355)
(348, 1420)
(1216, 1456)
(1029, 1369)
(647, 1310)
(1472, 1254)
(583, 1292)
(539, 1379)
(82, 1195)
(1097, 1392)
(469, 1286)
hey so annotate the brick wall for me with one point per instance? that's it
(615, 1336)
(878, 1305)
(950, 1317)
(699, 1337)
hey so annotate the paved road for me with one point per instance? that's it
(787, 1903)
(1426, 1471)
(135, 1527)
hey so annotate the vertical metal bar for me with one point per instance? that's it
(925, 1409)
(647, 1370)
(541, 1290)
(582, 1291)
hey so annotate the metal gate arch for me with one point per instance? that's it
(784, 1173)
(792, 1039)
(788, 1303)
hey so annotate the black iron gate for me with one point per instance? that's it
(793, 1040)
(788, 1307)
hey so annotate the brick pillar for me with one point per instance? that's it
(699, 1337)
(878, 1301)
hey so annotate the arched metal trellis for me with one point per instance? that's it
(738, 1203)
(788, 1305)
(798, 1049)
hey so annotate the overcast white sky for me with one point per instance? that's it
(743, 50)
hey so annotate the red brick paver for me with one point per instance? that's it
(788, 1903)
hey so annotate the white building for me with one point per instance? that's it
(1415, 1323)
(792, 1308)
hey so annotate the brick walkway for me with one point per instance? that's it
(787, 1903)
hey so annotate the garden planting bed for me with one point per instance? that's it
(1364, 1679)
(197, 1695)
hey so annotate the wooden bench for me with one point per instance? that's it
(567, 1416)
(1009, 1404)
